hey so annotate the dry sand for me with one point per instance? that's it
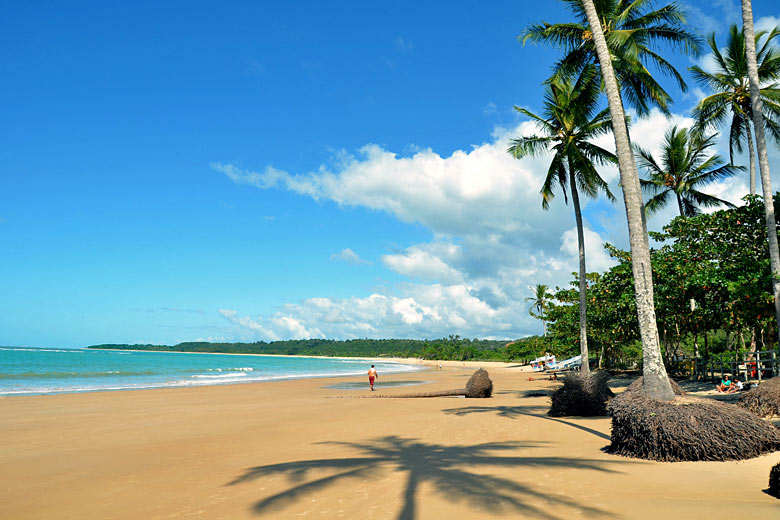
(295, 449)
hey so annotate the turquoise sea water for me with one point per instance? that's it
(50, 370)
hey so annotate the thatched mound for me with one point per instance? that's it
(774, 481)
(583, 396)
(764, 399)
(687, 428)
(636, 386)
(479, 385)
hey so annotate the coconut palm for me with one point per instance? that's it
(757, 106)
(632, 29)
(684, 167)
(656, 381)
(731, 92)
(570, 121)
(539, 303)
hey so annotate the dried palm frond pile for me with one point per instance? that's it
(774, 481)
(686, 429)
(582, 396)
(479, 385)
(764, 399)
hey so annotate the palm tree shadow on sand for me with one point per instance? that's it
(446, 468)
(513, 412)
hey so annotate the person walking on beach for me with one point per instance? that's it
(372, 376)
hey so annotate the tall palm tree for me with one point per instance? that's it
(763, 159)
(539, 303)
(632, 29)
(684, 167)
(731, 92)
(570, 121)
(656, 381)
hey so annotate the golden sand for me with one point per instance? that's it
(295, 449)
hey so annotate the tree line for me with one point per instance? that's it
(451, 348)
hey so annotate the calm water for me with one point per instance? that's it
(50, 370)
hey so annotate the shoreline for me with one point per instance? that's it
(415, 365)
(410, 362)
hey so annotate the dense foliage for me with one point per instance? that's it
(452, 348)
(712, 290)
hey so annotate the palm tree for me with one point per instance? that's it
(731, 88)
(656, 381)
(632, 28)
(683, 168)
(763, 159)
(570, 121)
(539, 303)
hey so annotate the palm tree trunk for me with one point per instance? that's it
(763, 159)
(575, 199)
(656, 381)
(679, 204)
(752, 159)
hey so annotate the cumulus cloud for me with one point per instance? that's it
(596, 257)
(429, 262)
(491, 238)
(349, 256)
(767, 23)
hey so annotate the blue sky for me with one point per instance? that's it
(236, 171)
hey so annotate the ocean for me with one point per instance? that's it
(31, 371)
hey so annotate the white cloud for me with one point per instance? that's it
(596, 257)
(426, 262)
(767, 23)
(492, 240)
(349, 256)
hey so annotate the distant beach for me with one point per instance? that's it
(297, 448)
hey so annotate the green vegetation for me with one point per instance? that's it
(713, 291)
(452, 348)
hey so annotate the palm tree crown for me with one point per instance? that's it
(539, 303)
(632, 29)
(685, 166)
(567, 125)
(731, 90)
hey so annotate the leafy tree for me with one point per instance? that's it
(614, 323)
(632, 31)
(731, 92)
(685, 166)
(720, 261)
(569, 122)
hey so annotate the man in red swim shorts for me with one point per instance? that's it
(372, 375)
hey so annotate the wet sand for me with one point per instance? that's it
(296, 449)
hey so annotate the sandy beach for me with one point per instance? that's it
(298, 449)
